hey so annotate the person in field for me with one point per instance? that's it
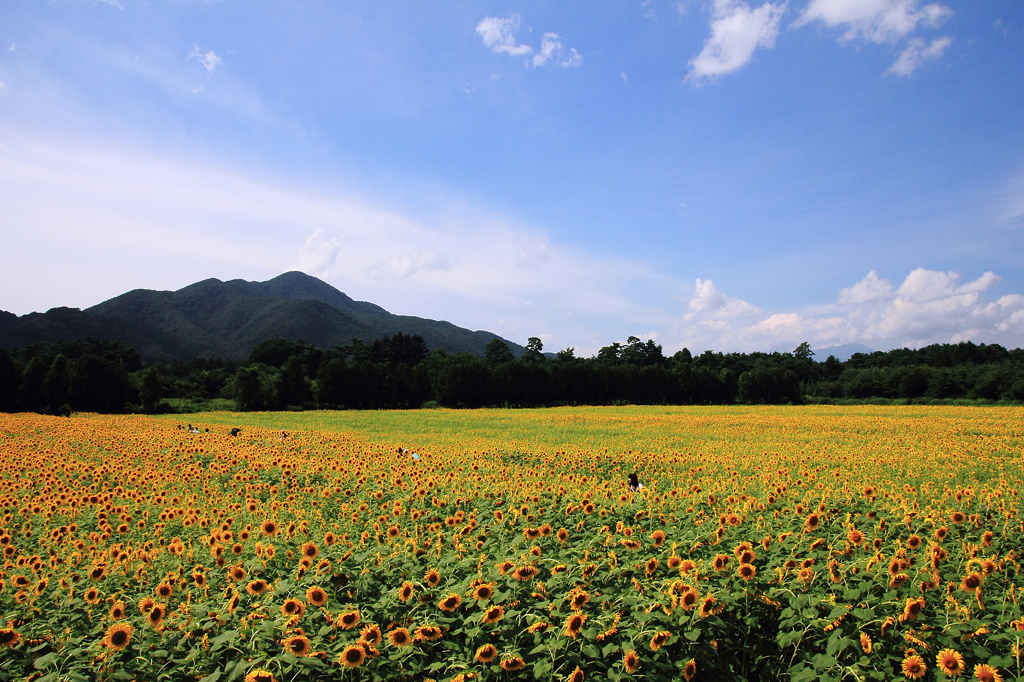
(634, 483)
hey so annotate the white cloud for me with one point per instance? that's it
(500, 35)
(877, 21)
(708, 303)
(551, 48)
(918, 52)
(3, 88)
(868, 289)
(736, 31)
(625, 78)
(928, 307)
(209, 59)
(318, 254)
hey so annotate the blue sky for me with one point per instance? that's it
(723, 175)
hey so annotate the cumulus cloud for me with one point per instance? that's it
(708, 303)
(3, 88)
(877, 21)
(736, 31)
(319, 253)
(209, 59)
(918, 52)
(499, 34)
(928, 307)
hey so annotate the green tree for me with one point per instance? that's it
(534, 348)
(8, 382)
(803, 351)
(566, 355)
(497, 352)
(58, 386)
(248, 390)
(151, 389)
(290, 388)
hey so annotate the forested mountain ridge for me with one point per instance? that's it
(226, 320)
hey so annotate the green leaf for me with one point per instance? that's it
(44, 661)
(692, 635)
(591, 650)
(220, 639)
(609, 649)
(212, 677)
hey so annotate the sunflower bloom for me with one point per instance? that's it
(297, 645)
(316, 596)
(486, 653)
(575, 624)
(353, 656)
(512, 664)
(119, 636)
(370, 634)
(631, 662)
(349, 619)
(400, 637)
(914, 667)
(986, 673)
(950, 662)
(450, 603)
(660, 639)
(260, 675)
(493, 615)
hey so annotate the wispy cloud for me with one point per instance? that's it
(918, 52)
(209, 59)
(736, 32)
(499, 34)
(552, 49)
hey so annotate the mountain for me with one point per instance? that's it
(843, 352)
(216, 319)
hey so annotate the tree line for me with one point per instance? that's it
(400, 372)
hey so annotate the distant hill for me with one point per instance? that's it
(843, 352)
(215, 319)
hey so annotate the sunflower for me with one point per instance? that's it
(297, 645)
(912, 609)
(92, 596)
(256, 587)
(483, 591)
(486, 653)
(688, 600)
(865, 643)
(428, 633)
(117, 611)
(914, 541)
(237, 573)
(747, 571)
(156, 615)
(538, 626)
(145, 604)
(812, 523)
(686, 566)
(747, 556)
(406, 591)
(316, 596)
(349, 619)
(707, 606)
(721, 562)
(233, 602)
(674, 562)
(512, 664)
(450, 603)
(199, 578)
(576, 676)
(493, 615)
(659, 538)
(806, 574)
(524, 573)
(370, 634)
(562, 535)
(941, 533)
(950, 662)
(986, 673)
(971, 582)
(689, 670)
(578, 599)
(260, 675)
(575, 624)
(353, 656)
(400, 637)
(914, 667)
(856, 538)
(118, 636)
(293, 607)
(660, 639)
(164, 590)
(631, 662)
(9, 638)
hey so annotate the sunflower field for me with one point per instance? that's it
(798, 543)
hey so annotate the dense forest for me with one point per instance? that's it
(396, 372)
